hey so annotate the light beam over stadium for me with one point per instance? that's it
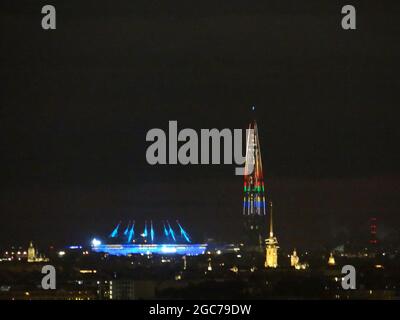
(125, 243)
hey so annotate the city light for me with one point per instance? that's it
(95, 242)
(131, 249)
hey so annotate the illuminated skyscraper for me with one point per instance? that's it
(271, 256)
(254, 204)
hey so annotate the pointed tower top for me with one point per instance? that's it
(253, 113)
(271, 225)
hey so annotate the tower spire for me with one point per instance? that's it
(271, 254)
(271, 225)
(254, 202)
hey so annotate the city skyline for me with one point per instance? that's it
(74, 149)
(172, 151)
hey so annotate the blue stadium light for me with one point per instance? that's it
(144, 234)
(127, 229)
(131, 232)
(170, 243)
(171, 232)
(183, 233)
(165, 230)
(168, 249)
(151, 231)
(74, 247)
(114, 234)
(95, 242)
(163, 249)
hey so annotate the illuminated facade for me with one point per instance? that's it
(331, 260)
(31, 253)
(294, 259)
(163, 240)
(147, 249)
(254, 204)
(33, 256)
(271, 256)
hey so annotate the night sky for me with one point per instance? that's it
(76, 104)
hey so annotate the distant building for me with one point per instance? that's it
(254, 203)
(295, 262)
(331, 260)
(271, 257)
(294, 259)
(32, 255)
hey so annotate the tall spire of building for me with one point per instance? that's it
(271, 223)
(254, 203)
(254, 197)
(31, 252)
(271, 254)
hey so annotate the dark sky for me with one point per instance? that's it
(76, 104)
